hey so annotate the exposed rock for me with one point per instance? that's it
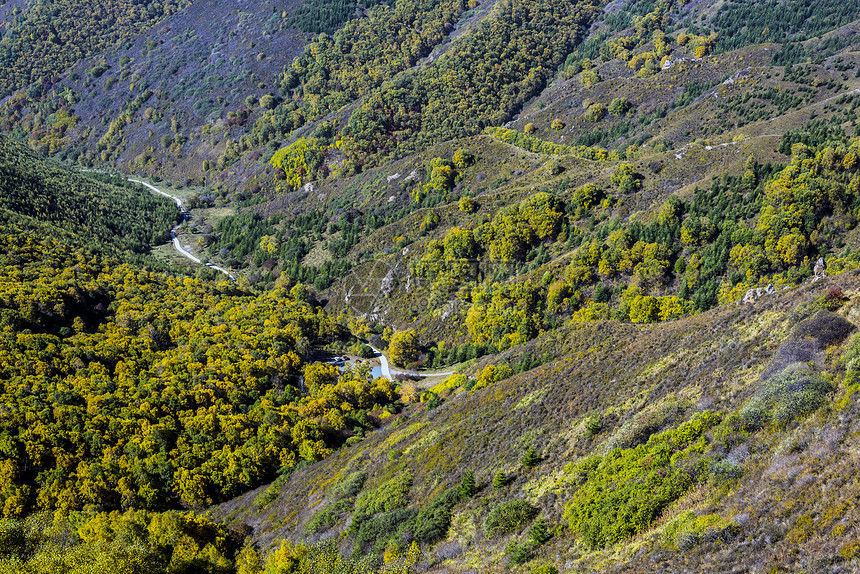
(820, 270)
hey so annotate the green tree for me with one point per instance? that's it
(626, 179)
(531, 458)
(539, 532)
(619, 106)
(500, 480)
(468, 487)
(595, 113)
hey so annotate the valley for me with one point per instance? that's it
(429, 286)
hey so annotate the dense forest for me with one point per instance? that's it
(130, 389)
(104, 213)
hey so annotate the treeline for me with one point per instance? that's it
(114, 216)
(47, 38)
(133, 389)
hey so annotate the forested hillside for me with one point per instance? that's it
(609, 252)
(103, 213)
(43, 40)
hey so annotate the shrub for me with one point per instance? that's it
(430, 221)
(433, 520)
(379, 530)
(388, 496)
(531, 458)
(350, 485)
(268, 102)
(468, 205)
(589, 78)
(587, 195)
(825, 328)
(595, 112)
(519, 554)
(328, 517)
(619, 106)
(593, 423)
(509, 516)
(493, 374)
(626, 179)
(646, 422)
(463, 158)
(688, 529)
(271, 493)
(794, 392)
(539, 533)
(645, 479)
(794, 350)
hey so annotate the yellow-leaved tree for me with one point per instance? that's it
(403, 347)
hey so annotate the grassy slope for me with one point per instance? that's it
(785, 502)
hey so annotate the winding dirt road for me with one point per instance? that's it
(389, 374)
(186, 216)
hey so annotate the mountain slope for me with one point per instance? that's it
(741, 493)
(613, 246)
(108, 215)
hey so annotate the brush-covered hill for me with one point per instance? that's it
(564, 204)
(720, 442)
(102, 213)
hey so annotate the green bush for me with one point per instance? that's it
(433, 520)
(531, 458)
(350, 485)
(794, 392)
(267, 496)
(388, 496)
(377, 531)
(851, 356)
(519, 554)
(343, 493)
(688, 529)
(328, 517)
(539, 533)
(509, 516)
(644, 480)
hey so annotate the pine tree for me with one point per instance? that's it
(539, 532)
(531, 458)
(500, 480)
(468, 488)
